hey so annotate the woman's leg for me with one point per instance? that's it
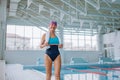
(48, 66)
(57, 66)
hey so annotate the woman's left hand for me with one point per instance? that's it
(60, 45)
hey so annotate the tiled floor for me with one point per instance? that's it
(16, 72)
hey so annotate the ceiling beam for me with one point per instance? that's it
(82, 11)
(26, 13)
(88, 13)
(13, 7)
(95, 5)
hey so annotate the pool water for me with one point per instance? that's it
(76, 72)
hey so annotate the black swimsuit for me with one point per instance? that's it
(53, 52)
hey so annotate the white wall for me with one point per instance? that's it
(113, 38)
(90, 56)
(30, 57)
(2, 70)
(117, 45)
(23, 57)
(3, 9)
(109, 38)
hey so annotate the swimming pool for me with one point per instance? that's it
(85, 71)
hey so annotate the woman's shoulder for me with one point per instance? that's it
(44, 34)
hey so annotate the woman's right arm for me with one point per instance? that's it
(42, 45)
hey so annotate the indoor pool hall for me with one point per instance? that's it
(59, 39)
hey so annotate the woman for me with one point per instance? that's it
(53, 43)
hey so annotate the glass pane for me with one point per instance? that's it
(28, 31)
(94, 43)
(36, 44)
(67, 42)
(81, 44)
(23, 37)
(10, 37)
(20, 31)
(36, 32)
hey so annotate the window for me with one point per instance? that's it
(23, 37)
(83, 41)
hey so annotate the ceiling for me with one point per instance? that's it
(77, 15)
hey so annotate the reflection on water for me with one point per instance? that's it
(94, 75)
(86, 76)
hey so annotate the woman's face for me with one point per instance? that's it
(52, 27)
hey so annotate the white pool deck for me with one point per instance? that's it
(16, 72)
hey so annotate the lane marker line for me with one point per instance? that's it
(88, 71)
(105, 68)
(94, 72)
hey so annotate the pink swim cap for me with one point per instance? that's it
(53, 22)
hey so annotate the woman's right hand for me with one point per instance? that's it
(46, 44)
(43, 45)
